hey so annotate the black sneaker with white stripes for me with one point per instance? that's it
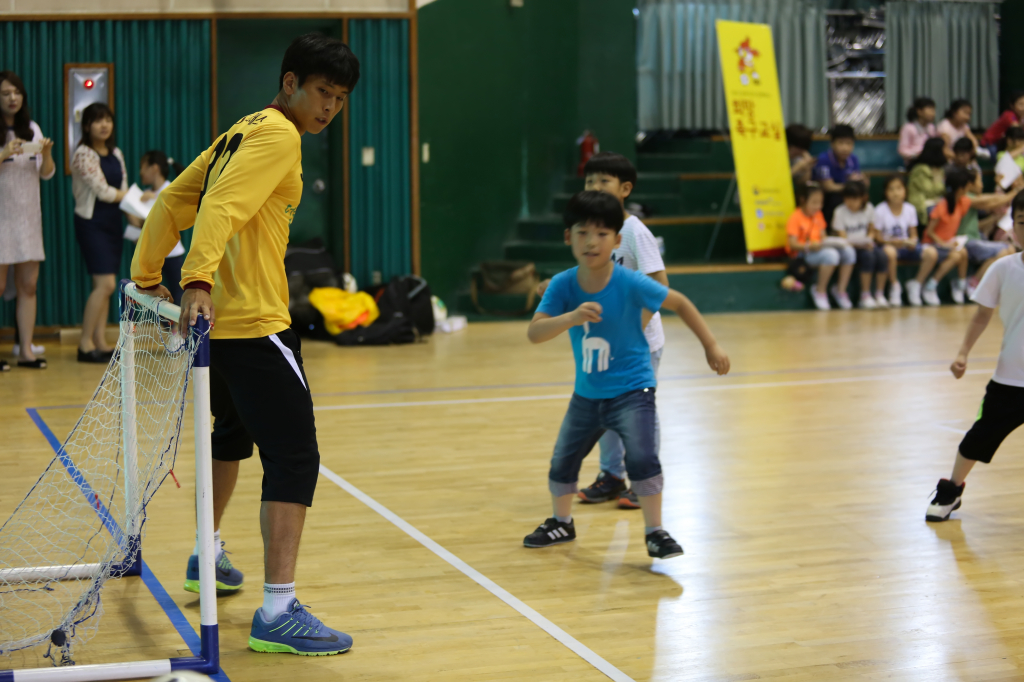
(946, 500)
(660, 545)
(551, 532)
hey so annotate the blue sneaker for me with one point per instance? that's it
(229, 578)
(296, 631)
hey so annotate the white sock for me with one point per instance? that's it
(276, 599)
(651, 529)
(564, 519)
(216, 544)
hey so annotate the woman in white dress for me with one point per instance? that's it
(26, 157)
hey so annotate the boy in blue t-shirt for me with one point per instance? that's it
(836, 167)
(605, 308)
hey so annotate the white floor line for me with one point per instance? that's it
(540, 621)
(687, 389)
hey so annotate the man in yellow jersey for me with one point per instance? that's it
(241, 194)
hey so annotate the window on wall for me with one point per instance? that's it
(855, 69)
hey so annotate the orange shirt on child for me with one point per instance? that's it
(948, 224)
(805, 228)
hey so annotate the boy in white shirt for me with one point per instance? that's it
(614, 174)
(1001, 412)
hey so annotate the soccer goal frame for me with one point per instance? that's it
(208, 660)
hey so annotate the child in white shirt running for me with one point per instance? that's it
(1001, 410)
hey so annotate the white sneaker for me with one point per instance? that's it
(880, 300)
(959, 286)
(842, 298)
(914, 292)
(931, 293)
(36, 350)
(867, 301)
(820, 300)
(896, 295)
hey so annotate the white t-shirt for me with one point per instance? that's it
(895, 227)
(1003, 287)
(855, 225)
(639, 251)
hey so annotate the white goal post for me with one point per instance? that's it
(125, 525)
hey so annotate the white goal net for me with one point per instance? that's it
(81, 522)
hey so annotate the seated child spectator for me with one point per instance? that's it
(1010, 118)
(1015, 148)
(804, 240)
(927, 180)
(920, 126)
(801, 163)
(854, 221)
(964, 156)
(605, 308)
(956, 126)
(1001, 410)
(835, 167)
(896, 222)
(981, 251)
(154, 171)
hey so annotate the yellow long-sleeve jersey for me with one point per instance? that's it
(241, 195)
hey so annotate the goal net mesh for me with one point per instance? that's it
(81, 522)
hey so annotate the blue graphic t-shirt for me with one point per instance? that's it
(612, 356)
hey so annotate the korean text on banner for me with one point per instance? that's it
(758, 134)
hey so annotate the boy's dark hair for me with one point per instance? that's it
(956, 180)
(21, 127)
(594, 207)
(610, 163)
(1015, 133)
(842, 132)
(97, 111)
(955, 106)
(963, 146)
(315, 54)
(165, 163)
(804, 190)
(799, 136)
(919, 103)
(1017, 205)
(855, 189)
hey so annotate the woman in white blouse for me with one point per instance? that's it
(25, 158)
(99, 180)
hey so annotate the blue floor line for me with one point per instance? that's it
(161, 596)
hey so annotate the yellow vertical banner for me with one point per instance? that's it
(758, 134)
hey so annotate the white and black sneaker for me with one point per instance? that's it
(551, 532)
(946, 501)
(660, 545)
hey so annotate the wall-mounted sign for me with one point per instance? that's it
(84, 84)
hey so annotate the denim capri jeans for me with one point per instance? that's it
(872, 260)
(830, 255)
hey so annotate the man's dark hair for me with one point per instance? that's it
(842, 132)
(799, 136)
(855, 189)
(963, 146)
(315, 54)
(22, 129)
(610, 163)
(97, 111)
(594, 207)
(804, 190)
(1015, 133)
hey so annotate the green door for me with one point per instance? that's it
(249, 53)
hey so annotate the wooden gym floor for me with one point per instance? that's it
(797, 486)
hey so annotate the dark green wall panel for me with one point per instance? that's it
(162, 101)
(381, 229)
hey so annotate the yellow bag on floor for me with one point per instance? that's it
(342, 310)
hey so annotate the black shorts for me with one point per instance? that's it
(1002, 411)
(259, 394)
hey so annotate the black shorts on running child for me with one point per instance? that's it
(259, 394)
(1002, 411)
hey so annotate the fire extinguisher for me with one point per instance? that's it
(589, 145)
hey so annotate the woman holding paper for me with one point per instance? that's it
(25, 158)
(154, 170)
(99, 181)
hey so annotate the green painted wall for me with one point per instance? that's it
(504, 93)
